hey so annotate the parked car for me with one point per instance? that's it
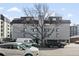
(22, 40)
(52, 43)
(27, 41)
(17, 49)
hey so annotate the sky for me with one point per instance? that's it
(69, 11)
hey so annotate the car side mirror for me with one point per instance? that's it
(23, 49)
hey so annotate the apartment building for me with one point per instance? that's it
(73, 30)
(4, 27)
(20, 27)
(74, 33)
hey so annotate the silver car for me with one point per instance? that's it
(17, 49)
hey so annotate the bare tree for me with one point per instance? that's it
(42, 13)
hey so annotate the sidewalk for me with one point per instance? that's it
(72, 45)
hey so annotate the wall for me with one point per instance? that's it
(63, 32)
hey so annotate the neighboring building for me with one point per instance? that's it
(61, 28)
(4, 27)
(18, 27)
(78, 29)
(74, 33)
(73, 30)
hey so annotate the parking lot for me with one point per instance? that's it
(69, 50)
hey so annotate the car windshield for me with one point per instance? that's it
(25, 46)
(28, 45)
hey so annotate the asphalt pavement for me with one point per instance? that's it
(69, 50)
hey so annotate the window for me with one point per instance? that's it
(8, 25)
(1, 22)
(9, 46)
(22, 46)
(2, 46)
(54, 18)
(57, 29)
(25, 29)
(15, 47)
(46, 30)
(34, 30)
(1, 26)
(8, 28)
(1, 34)
(27, 19)
(1, 30)
(60, 18)
(26, 41)
(8, 35)
(57, 34)
(5, 46)
(7, 32)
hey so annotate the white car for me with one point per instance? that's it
(27, 41)
(17, 49)
(22, 40)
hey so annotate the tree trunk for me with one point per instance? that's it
(42, 43)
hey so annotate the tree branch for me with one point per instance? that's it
(25, 11)
(49, 33)
(32, 35)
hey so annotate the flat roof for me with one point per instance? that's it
(29, 20)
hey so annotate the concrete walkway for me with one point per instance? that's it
(72, 45)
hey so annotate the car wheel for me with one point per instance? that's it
(1, 55)
(50, 46)
(28, 55)
(61, 46)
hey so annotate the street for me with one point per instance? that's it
(69, 50)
